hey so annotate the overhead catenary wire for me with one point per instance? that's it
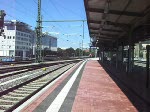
(53, 4)
(20, 11)
(26, 9)
(12, 16)
(49, 16)
(71, 11)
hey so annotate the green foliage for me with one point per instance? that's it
(70, 52)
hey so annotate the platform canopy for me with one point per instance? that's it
(113, 20)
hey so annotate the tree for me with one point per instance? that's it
(70, 52)
(60, 52)
(78, 52)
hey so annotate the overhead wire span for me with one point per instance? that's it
(71, 11)
(26, 9)
(47, 14)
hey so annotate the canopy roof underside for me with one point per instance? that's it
(112, 20)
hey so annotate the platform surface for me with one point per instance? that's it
(90, 89)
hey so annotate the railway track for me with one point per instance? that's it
(14, 90)
(16, 62)
(13, 70)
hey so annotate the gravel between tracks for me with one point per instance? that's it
(12, 98)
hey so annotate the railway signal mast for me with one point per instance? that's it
(2, 14)
(39, 34)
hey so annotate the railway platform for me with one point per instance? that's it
(86, 87)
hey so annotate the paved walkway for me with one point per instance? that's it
(99, 93)
(92, 91)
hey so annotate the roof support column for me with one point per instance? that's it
(147, 65)
(117, 53)
(100, 54)
(130, 53)
(132, 66)
(122, 53)
(111, 56)
(103, 55)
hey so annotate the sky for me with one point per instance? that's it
(70, 34)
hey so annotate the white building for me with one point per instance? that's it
(16, 41)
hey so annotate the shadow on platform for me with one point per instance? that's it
(132, 85)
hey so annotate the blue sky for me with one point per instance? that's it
(70, 34)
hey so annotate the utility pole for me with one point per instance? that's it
(38, 34)
(83, 38)
(2, 14)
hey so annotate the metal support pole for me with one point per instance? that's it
(82, 49)
(79, 49)
(103, 56)
(147, 65)
(128, 63)
(117, 56)
(83, 38)
(122, 53)
(130, 52)
(111, 53)
(99, 55)
(132, 62)
(39, 34)
(96, 52)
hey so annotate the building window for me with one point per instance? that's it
(8, 37)
(21, 34)
(18, 33)
(18, 38)
(10, 27)
(4, 36)
(13, 37)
